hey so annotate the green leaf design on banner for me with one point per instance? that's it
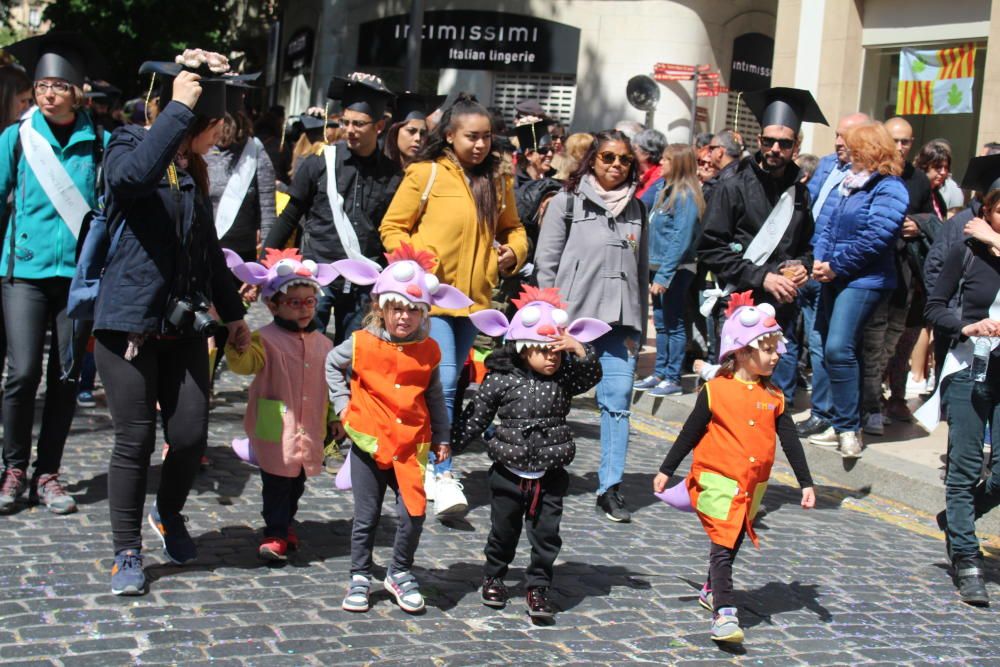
(918, 66)
(954, 96)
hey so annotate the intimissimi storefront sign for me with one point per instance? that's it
(462, 39)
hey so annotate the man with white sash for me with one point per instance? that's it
(48, 168)
(340, 195)
(760, 218)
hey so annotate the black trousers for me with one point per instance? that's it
(720, 572)
(348, 308)
(173, 373)
(281, 501)
(514, 500)
(32, 309)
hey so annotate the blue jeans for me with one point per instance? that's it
(454, 335)
(840, 320)
(809, 303)
(971, 405)
(671, 331)
(614, 395)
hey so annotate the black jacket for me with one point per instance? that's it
(533, 434)
(529, 195)
(140, 277)
(367, 186)
(735, 213)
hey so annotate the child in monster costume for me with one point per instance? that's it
(732, 431)
(385, 386)
(286, 418)
(532, 378)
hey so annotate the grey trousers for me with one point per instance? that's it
(368, 482)
(881, 337)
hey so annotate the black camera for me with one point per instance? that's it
(190, 314)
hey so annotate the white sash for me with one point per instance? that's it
(763, 244)
(237, 186)
(53, 177)
(345, 230)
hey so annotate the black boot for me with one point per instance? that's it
(494, 592)
(942, 523)
(538, 603)
(970, 577)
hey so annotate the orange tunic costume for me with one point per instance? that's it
(732, 462)
(387, 416)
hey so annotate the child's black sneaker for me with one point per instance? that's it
(494, 592)
(538, 603)
(177, 542)
(127, 577)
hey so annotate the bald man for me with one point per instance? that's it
(824, 195)
(916, 180)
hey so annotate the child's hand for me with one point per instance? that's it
(441, 453)
(660, 482)
(808, 498)
(239, 335)
(563, 342)
(336, 430)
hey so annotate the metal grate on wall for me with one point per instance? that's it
(746, 125)
(556, 92)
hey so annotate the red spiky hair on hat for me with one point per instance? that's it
(531, 293)
(273, 256)
(427, 260)
(738, 301)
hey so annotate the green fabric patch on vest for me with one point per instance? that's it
(717, 493)
(366, 443)
(270, 424)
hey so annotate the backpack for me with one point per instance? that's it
(96, 250)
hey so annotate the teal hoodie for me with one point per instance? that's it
(44, 246)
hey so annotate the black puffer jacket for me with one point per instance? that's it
(533, 434)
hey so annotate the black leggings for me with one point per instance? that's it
(720, 572)
(173, 373)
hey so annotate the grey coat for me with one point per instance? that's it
(257, 211)
(601, 266)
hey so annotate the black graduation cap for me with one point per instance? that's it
(309, 122)
(413, 106)
(236, 89)
(363, 93)
(103, 91)
(983, 174)
(59, 55)
(211, 103)
(529, 107)
(789, 107)
(532, 136)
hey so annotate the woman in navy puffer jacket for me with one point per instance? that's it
(854, 261)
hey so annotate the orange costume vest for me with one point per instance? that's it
(387, 416)
(732, 462)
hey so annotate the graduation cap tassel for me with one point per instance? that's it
(149, 96)
(736, 120)
(326, 119)
(281, 144)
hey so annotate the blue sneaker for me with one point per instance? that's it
(85, 399)
(646, 383)
(666, 388)
(177, 542)
(127, 577)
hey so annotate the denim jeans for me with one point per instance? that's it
(454, 335)
(614, 396)
(808, 303)
(671, 329)
(970, 406)
(842, 314)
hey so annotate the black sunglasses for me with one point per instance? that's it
(783, 144)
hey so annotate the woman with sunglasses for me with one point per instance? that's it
(593, 246)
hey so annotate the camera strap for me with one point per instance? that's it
(181, 264)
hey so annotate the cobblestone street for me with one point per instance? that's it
(858, 580)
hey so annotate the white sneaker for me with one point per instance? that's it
(448, 496)
(827, 438)
(874, 424)
(430, 481)
(913, 387)
(931, 382)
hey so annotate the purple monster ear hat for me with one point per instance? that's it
(280, 270)
(747, 323)
(540, 315)
(409, 279)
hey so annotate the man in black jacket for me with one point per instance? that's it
(366, 181)
(760, 218)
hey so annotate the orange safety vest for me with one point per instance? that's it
(387, 416)
(732, 462)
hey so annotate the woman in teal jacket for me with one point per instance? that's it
(673, 227)
(49, 164)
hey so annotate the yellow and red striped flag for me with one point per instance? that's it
(936, 82)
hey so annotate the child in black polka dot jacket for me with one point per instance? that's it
(531, 380)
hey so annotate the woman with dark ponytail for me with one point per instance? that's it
(457, 200)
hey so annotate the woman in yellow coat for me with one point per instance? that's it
(457, 201)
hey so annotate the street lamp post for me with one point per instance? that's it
(413, 45)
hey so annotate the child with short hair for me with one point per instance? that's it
(732, 431)
(286, 418)
(384, 384)
(531, 381)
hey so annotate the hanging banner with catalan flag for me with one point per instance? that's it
(936, 82)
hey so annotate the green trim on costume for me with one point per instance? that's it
(717, 493)
(366, 443)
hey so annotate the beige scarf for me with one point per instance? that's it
(617, 199)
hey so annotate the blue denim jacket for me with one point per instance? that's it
(672, 236)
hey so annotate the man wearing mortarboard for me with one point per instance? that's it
(341, 215)
(533, 184)
(759, 219)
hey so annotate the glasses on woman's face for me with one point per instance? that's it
(58, 87)
(544, 150)
(609, 158)
(308, 302)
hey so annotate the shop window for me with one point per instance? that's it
(744, 122)
(556, 92)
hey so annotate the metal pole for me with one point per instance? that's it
(694, 106)
(413, 40)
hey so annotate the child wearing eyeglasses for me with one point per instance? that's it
(286, 419)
